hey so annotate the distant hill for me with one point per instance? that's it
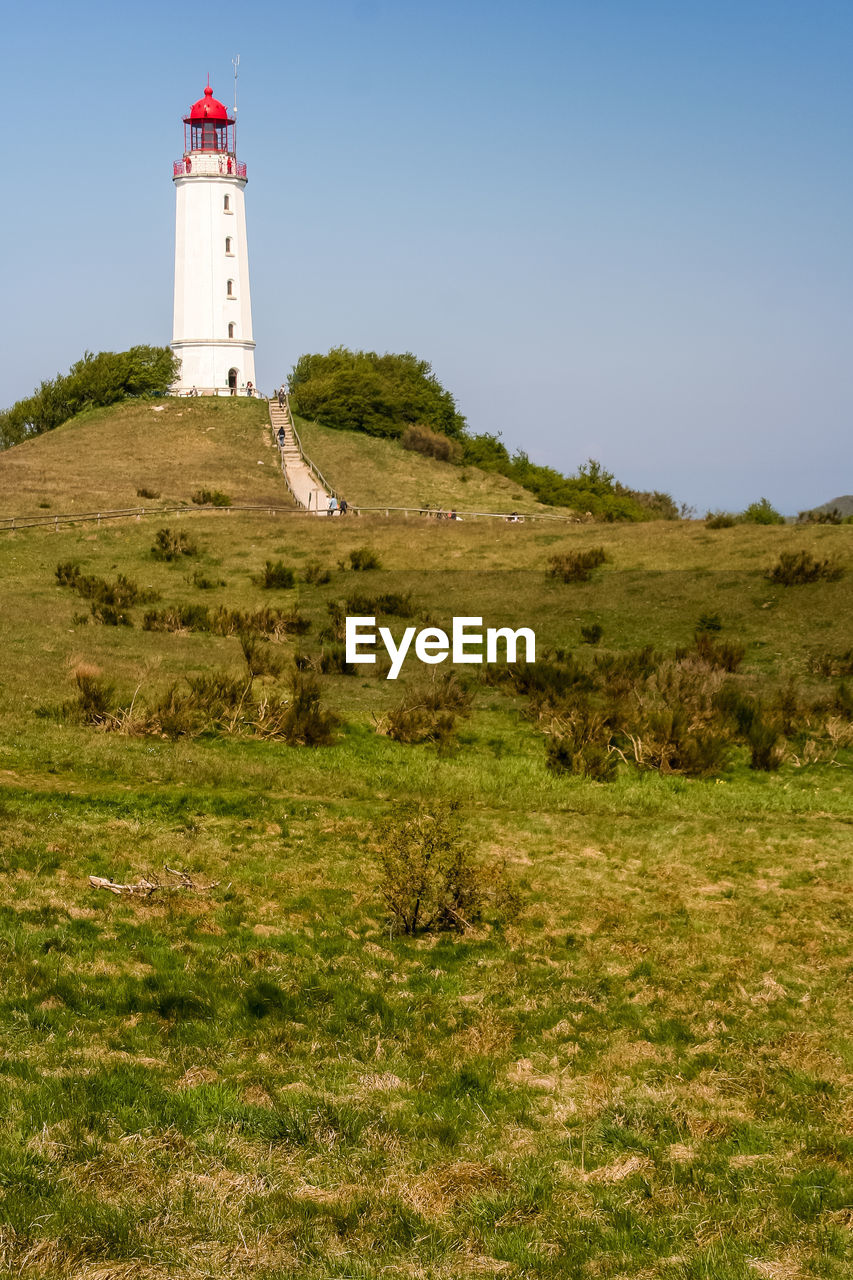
(844, 505)
(173, 447)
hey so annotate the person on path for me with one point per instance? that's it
(281, 397)
(333, 506)
(344, 506)
(281, 437)
(250, 390)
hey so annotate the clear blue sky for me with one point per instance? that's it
(618, 228)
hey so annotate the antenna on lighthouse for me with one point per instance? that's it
(235, 63)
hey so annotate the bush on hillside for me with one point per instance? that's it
(171, 544)
(378, 394)
(420, 439)
(761, 512)
(720, 520)
(592, 634)
(275, 575)
(798, 568)
(361, 559)
(95, 380)
(576, 566)
(211, 498)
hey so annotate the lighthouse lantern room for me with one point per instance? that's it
(212, 332)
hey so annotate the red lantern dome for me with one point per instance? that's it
(208, 127)
(207, 108)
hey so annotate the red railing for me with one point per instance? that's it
(237, 169)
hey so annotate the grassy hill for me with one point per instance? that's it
(642, 1072)
(173, 447)
(374, 472)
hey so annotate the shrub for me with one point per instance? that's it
(110, 616)
(211, 498)
(273, 623)
(378, 394)
(708, 622)
(179, 617)
(390, 602)
(109, 599)
(362, 558)
(419, 438)
(336, 627)
(275, 575)
(315, 575)
(726, 655)
(171, 544)
(428, 712)
(582, 745)
(669, 739)
(761, 512)
(735, 707)
(766, 748)
(147, 493)
(798, 568)
(219, 703)
(576, 566)
(719, 520)
(95, 380)
(624, 671)
(304, 722)
(260, 657)
(592, 634)
(550, 679)
(430, 878)
(94, 695)
(789, 707)
(565, 754)
(332, 661)
(204, 583)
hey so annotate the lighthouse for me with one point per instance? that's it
(212, 332)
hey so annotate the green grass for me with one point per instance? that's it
(173, 447)
(371, 472)
(645, 1075)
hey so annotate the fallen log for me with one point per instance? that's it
(145, 887)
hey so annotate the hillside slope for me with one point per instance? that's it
(374, 472)
(172, 447)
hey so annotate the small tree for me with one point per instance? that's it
(431, 878)
(761, 512)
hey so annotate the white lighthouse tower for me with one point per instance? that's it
(212, 331)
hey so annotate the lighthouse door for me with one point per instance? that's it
(232, 381)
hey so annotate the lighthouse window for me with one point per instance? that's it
(228, 244)
(229, 288)
(227, 205)
(231, 330)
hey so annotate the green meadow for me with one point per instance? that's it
(644, 1071)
